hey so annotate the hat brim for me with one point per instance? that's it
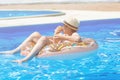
(70, 26)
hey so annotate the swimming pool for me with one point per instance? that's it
(10, 14)
(102, 65)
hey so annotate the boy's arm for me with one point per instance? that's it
(74, 38)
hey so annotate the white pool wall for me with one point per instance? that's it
(79, 14)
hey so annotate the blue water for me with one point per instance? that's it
(22, 13)
(104, 64)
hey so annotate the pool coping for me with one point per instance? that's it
(46, 15)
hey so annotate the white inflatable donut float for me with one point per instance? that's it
(71, 52)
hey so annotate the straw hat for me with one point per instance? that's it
(72, 23)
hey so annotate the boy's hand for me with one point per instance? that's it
(59, 36)
(58, 30)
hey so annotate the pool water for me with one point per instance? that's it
(9, 14)
(104, 64)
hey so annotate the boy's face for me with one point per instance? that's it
(66, 28)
